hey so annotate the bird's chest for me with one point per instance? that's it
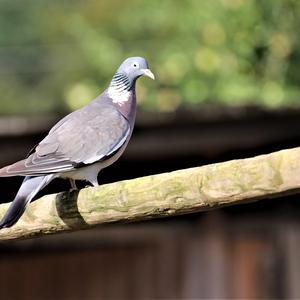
(128, 109)
(124, 101)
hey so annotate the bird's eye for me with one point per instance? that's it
(135, 65)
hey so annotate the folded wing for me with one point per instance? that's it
(83, 137)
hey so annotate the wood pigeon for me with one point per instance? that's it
(82, 143)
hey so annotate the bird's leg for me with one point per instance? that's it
(94, 182)
(93, 179)
(73, 185)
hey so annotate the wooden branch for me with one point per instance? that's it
(179, 192)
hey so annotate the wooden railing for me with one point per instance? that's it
(179, 192)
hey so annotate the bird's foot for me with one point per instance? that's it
(73, 185)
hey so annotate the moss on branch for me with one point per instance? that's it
(178, 192)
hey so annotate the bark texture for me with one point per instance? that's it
(178, 192)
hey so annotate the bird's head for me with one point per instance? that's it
(135, 67)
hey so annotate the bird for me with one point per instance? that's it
(83, 143)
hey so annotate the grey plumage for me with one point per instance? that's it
(82, 143)
(29, 188)
(84, 137)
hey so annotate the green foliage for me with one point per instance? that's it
(58, 55)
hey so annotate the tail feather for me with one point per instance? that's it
(29, 188)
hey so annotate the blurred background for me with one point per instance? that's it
(227, 87)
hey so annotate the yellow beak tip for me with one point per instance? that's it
(148, 73)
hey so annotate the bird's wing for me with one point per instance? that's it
(81, 138)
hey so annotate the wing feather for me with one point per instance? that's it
(83, 137)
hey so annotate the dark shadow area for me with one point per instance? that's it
(214, 252)
(67, 209)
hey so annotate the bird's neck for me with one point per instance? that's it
(120, 88)
(121, 91)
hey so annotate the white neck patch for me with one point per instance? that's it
(118, 95)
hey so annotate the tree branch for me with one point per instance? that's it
(179, 192)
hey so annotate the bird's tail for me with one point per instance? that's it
(29, 188)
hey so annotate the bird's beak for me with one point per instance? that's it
(148, 73)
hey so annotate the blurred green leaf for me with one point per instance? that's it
(58, 55)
